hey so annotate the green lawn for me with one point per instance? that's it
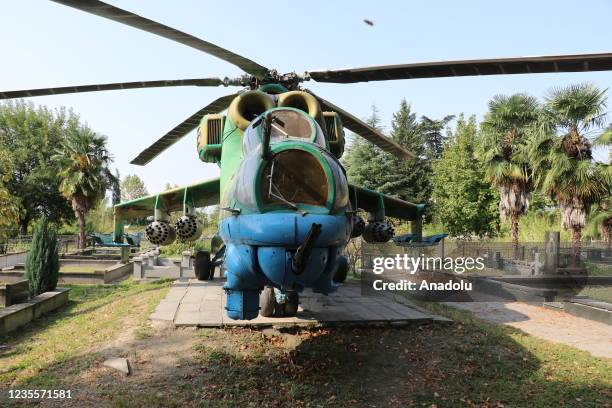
(468, 364)
(81, 268)
(598, 269)
(94, 315)
(603, 293)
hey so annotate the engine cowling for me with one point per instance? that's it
(247, 106)
(378, 231)
(160, 233)
(188, 228)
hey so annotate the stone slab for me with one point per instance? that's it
(589, 309)
(17, 315)
(196, 303)
(120, 364)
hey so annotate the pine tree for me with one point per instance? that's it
(42, 262)
(434, 134)
(465, 203)
(408, 179)
(132, 187)
(370, 167)
(364, 162)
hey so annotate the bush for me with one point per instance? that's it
(42, 262)
(177, 248)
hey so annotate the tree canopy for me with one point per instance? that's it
(465, 203)
(31, 134)
(132, 187)
(504, 152)
(370, 167)
(562, 154)
(83, 162)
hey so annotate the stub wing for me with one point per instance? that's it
(201, 194)
(382, 205)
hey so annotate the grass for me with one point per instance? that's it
(468, 364)
(598, 269)
(80, 269)
(95, 314)
(603, 293)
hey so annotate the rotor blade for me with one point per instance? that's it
(181, 130)
(109, 87)
(366, 131)
(106, 10)
(499, 66)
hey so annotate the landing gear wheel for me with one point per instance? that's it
(342, 271)
(291, 306)
(267, 302)
(202, 265)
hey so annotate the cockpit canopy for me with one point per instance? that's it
(288, 124)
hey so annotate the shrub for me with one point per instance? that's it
(42, 262)
(177, 248)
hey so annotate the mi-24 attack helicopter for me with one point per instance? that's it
(288, 210)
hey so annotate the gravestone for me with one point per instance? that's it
(552, 240)
(537, 264)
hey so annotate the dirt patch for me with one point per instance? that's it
(368, 367)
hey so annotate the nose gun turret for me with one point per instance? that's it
(300, 260)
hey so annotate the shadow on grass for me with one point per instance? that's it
(467, 364)
(470, 363)
(446, 366)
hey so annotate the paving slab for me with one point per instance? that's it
(553, 325)
(196, 303)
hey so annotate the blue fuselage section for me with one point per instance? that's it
(260, 249)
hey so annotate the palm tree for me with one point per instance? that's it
(504, 151)
(601, 219)
(83, 161)
(563, 155)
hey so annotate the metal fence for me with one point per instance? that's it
(66, 243)
(526, 250)
(596, 257)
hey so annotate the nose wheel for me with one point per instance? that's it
(275, 303)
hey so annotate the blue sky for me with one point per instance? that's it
(45, 44)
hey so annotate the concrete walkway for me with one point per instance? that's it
(552, 325)
(195, 303)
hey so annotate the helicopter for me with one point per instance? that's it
(287, 208)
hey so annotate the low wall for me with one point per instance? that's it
(117, 272)
(15, 316)
(517, 267)
(12, 293)
(590, 309)
(9, 260)
(150, 266)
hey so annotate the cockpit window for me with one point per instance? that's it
(289, 124)
(295, 177)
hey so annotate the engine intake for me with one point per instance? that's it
(247, 106)
(303, 101)
(160, 233)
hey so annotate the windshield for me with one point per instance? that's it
(287, 124)
(295, 177)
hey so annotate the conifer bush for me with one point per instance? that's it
(42, 262)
